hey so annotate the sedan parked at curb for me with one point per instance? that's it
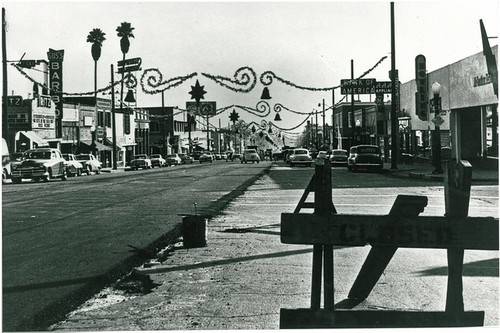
(300, 156)
(365, 157)
(158, 160)
(141, 161)
(90, 163)
(40, 163)
(186, 159)
(206, 157)
(339, 157)
(73, 167)
(173, 159)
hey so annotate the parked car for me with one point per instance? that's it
(158, 160)
(73, 167)
(300, 156)
(196, 155)
(218, 156)
(206, 157)
(90, 163)
(365, 157)
(236, 156)
(250, 155)
(140, 161)
(173, 159)
(186, 159)
(40, 163)
(223, 156)
(339, 157)
(6, 164)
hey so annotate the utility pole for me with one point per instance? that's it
(113, 116)
(351, 121)
(394, 79)
(164, 123)
(324, 124)
(5, 126)
(333, 120)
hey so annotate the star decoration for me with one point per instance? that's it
(197, 92)
(234, 116)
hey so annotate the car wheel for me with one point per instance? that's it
(98, 171)
(16, 180)
(48, 177)
(64, 176)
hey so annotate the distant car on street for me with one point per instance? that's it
(141, 161)
(300, 156)
(339, 157)
(250, 155)
(73, 166)
(186, 159)
(90, 163)
(40, 164)
(158, 160)
(206, 157)
(365, 157)
(173, 159)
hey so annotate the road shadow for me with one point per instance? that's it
(487, 267)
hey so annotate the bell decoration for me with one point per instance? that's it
(277, 117)
(253, 129)
(265, 94)
(130, 96)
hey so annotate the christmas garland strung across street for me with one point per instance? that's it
(152, 81)
(267, 79)
(244, 79)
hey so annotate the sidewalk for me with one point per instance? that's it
(244, 275)
(481, 172)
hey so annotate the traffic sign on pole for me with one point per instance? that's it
(129, 65)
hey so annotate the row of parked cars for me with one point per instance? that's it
(47, 163)
(358, 157)
(143, 161)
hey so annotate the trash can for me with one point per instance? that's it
(194, 230)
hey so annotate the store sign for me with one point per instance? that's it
(357, 86)
(203, 109)
(14, 100)
(421, 96)
(56, 85)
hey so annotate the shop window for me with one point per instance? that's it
(107, 119)
(100, 118)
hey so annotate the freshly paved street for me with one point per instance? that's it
(244, 275)
(64, 241)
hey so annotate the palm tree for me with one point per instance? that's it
(125, 32)
(96, 37)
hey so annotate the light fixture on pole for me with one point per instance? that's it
(436, 105)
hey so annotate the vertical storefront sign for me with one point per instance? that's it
(421, 96)
(56, 85)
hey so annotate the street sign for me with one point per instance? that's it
(27, 63)
(203, 109)
(129, 65)
(438, 120)
(357, 86)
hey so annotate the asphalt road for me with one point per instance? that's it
(245, 274)
(65, 240)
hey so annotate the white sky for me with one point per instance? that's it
(307, 43)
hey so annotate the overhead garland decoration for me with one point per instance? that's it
(244, 80)
(65, 93)
(152, 81)
(267, 78)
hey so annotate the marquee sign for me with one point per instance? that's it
(204, 108)
(357, 86)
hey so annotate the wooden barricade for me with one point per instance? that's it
(402, 227)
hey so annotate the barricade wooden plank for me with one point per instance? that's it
(321, 318)
(475, 233)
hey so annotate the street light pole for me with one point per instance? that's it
(394, 80)
(436, 103)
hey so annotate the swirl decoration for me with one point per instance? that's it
(244, 80)
(152, 81)
(64, 93)
(268, 77)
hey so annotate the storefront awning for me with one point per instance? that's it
(98, 145)
(33, 137)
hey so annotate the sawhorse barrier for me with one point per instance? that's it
(402, 227)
